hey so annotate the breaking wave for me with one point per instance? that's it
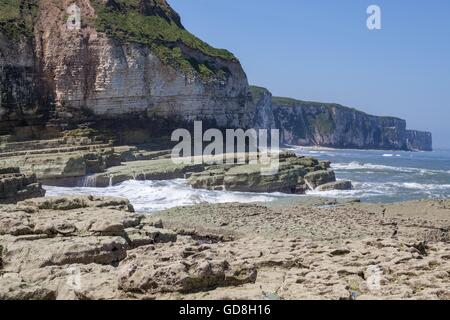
(376, 176)
(369, 166)
(388, 192)
(151, 196)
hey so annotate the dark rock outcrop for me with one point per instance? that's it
(15, 186)
(318, 178)
(338, 185)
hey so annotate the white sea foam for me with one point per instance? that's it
(313, 148)
(387, 189)
(424, 186)
(364, 166)
(341, 193)
(377, 176)
(150, 196)
(369, 166)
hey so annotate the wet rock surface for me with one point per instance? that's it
(86, 158)
(288, 174)
(15, 186)
(157, 169)
(338, 185)
(320, 177)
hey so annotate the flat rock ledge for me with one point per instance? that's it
(98, 248)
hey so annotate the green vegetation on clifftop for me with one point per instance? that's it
(257, 92)
(290, 102)
(17, 18)
(149, 22)
(294, 102)
(125, 20)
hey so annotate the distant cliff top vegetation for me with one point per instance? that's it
(294, 102)
(17, 17)
(257, 92)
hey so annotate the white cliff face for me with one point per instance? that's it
(74, 76)
(111, 78)
(262, 111)
(89, 72)
(419, 140)
(336, 126)
(331, 125)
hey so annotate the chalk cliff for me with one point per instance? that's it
(261, 108)
(419, 140)
(129, 58)
(133, 69)
(333, 125)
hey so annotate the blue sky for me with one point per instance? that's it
(321, 50)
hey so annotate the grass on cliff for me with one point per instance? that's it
(257, 92)
(164, 36)
(290, 102)
(123, 20)
(17, 17)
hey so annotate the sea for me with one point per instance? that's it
(377, 177)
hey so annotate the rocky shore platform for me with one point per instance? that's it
(98, 248)
(91, 158)
(87, 247)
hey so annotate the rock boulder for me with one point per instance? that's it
(338, 185)
(317, 178)
(15, 186)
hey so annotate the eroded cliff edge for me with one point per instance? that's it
(307, 123)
